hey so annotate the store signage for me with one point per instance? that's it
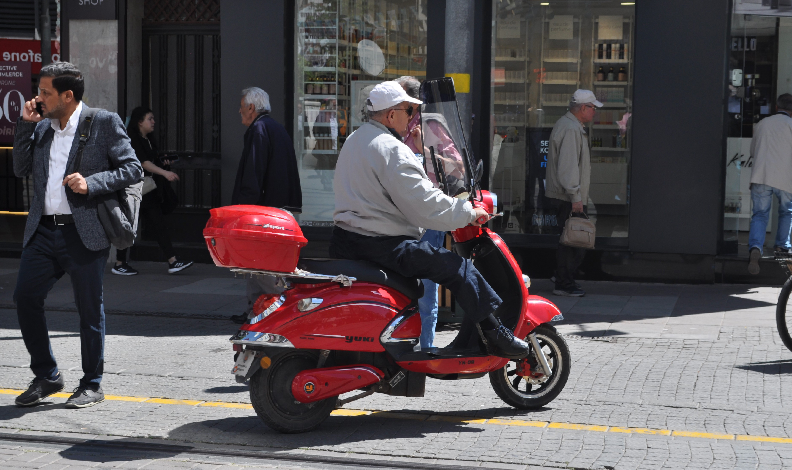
(26, 50)
(562, 27)
(611, 27)
(542, 213)
(15, 89)
(509, 28)
(743, 44)
(90, 9)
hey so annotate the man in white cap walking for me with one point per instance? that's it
(568, 179)
(383, 203)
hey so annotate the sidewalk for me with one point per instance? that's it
(672, 311)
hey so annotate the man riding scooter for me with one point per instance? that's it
(384, 201)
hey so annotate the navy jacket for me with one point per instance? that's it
(108, 164)
(267, 174)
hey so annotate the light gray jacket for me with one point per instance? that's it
(381, 189)
(568, 174)
(771, 148)
(108, 164)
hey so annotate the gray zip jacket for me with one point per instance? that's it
(771, 148)
(568, 174)
(381, 189)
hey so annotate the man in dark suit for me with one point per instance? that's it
(63, 232)
(267, 174)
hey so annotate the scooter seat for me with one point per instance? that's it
(363, 271)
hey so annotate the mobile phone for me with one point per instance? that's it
(38, 108)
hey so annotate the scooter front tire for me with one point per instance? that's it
(271, 396)
(518, 391)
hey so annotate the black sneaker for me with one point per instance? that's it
(502, 343)
(239, 319)
(572, 292)
(124, 270)
(753, 260)
(38, 390)
(84, 397)
(577, 286)
(177, 266)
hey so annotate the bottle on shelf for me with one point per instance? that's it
(622, 77)
(622, 48)
(610, 75)
(600, 51)
(601, 74)
(608, 52)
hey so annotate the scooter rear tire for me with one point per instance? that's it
(506, 382)
(271, 396)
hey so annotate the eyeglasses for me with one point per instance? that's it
(409, 110)
(591, 107)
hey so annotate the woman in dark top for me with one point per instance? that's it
(157, 204)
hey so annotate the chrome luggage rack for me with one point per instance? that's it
(342, 279)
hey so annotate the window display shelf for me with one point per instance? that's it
(508, 124)
(610, 83)
(570, 61)
(507, 103)
(510, 59)
(736, 215)
(320, 152)
(614, 105)
(559, 104)
(611, 61)
(609, 149)
(320, 69)
(561, 82)
(605, 126)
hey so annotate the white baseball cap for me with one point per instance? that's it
(388, 94)
(585, 97)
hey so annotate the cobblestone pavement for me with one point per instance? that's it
(662, 377)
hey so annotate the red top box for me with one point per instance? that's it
(254, 237)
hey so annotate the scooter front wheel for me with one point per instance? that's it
(521, 384)
(272, 398)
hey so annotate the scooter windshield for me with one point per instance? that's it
(443, 137)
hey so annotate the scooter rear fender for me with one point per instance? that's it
(340, 318)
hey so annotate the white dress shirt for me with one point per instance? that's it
(55, 201)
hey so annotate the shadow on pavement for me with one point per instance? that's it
(228, 389)
(780, 367)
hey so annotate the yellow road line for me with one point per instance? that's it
(449, 418)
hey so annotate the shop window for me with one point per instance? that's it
(344, 48)
(758, 73)
(541, 54)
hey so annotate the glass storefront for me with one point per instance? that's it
(759, 71)
(541, 53)
(344, 48)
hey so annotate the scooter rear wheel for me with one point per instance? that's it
(272, 398)
(533, 392)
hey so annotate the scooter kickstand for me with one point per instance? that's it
(539, 354)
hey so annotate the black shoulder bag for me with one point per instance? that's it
(118, 212)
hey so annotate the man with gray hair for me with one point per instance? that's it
(567, 181)
(267, 174)
(771, 174)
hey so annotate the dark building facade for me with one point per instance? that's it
(683, 84)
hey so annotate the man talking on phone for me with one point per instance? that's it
(63, 233)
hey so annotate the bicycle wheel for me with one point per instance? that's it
(784, 316)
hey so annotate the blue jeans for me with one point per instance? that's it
(762, 198)
(427, 304)
(411, 258)
(52, 252)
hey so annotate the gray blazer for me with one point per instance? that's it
(108, 164)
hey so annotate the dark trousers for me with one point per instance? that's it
(412, 258)
(568, 259)
(52, 252)
(158, 223)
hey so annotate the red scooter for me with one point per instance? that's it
(343, 326)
